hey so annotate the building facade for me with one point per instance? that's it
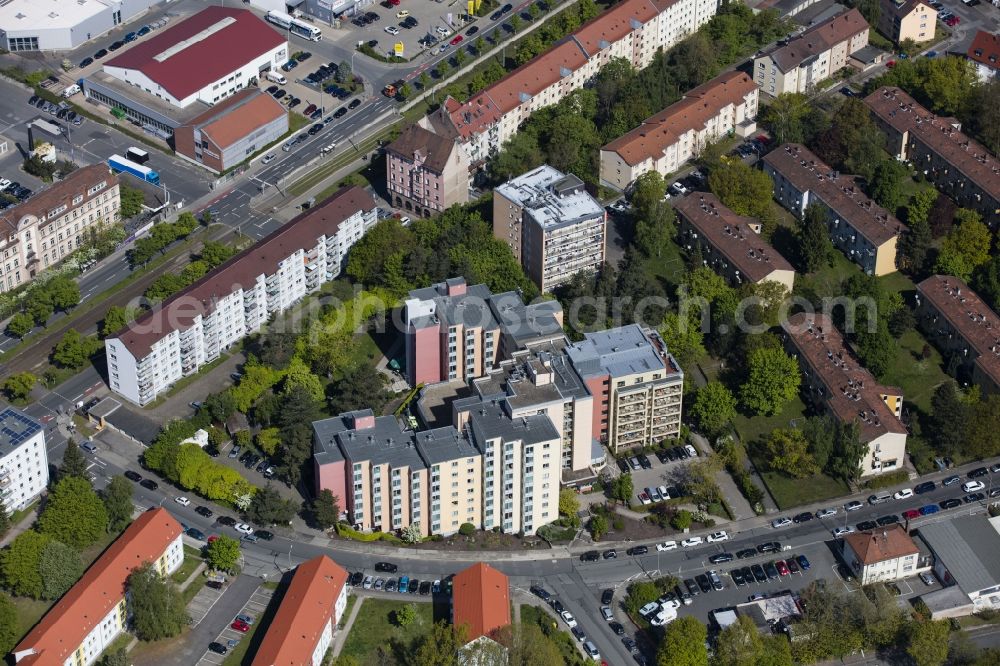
(55, 222)
(835, 381)
(30, 25)
(956, 164)
(799, 63)
(194, 326)
(636, 384)
(865, 232)
(963, 327)
(882, 555)
(730, 244)
(231, 131)
(664, 142)
(551, 224)
(95, 611)
(303, 629)
(24, 462)
(966, 554)
(901, 20)
(426, 172)
(984, 52)
(632, 29)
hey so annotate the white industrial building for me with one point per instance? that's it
(24, 462)
(55, 25)
(195, 326)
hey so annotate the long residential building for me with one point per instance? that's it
(678, 133)
(957, 165)
(42, 231)
(87, 619)
(864, 231)
(24, 461)
(302, 631)
(426, 172)
(957, 320)
(731, 244)
(835, 381)
(631, 29)
(552, 225)
(196, 325)
(799, 63)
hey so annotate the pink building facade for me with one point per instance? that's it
(426, 173)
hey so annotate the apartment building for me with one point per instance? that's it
(900, 20)
(632, 29)
(551, 224)
(87, 619)
(194, 326)
(302, 630)
(865, 232)
(42, 231)
(636, 384)
(960, 323)
(230, 132)
(835, 381)
(426, 172)
(664, 142)
(984, 52)
(957, 165)
(457, 331)
(24, 461)
(730, 244)
(882, 555)
(480, 601)
(799, 63)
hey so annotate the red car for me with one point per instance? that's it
(456, 40)
(394, 3)
(911, 514)
(240, 625)
(781, 567)
(953, 21)
(890, 64)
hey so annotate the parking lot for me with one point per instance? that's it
(230, 637)
(418, 26)
(666, 469)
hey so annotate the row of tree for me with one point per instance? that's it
(211, 255)
(60, 292)
(161, 236)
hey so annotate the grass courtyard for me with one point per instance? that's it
(374, 628)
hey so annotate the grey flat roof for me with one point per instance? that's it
(443, 444)
(551, 198)
(384, 444)
(104, 408)
(490, 421)
(524, 323)
(969, 546)
(16, 428)
(617, 352)
(134, 425)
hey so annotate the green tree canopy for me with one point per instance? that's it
(73, 464)
(326, 509)
(270, 508)
(19, 564)
(74, 514)
(223, 553)
(18, 386)
(10, 625)
(683, 643)
(966, 247)
(59, 567)
(117, 497)
(772, 380)
(714, 407)
(788, 452)
(158, 609)
(927, 642)
(21, 324)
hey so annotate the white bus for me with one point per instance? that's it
(294, 25)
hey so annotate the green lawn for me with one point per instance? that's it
(897, 282)
(827, 281)
(29, 612)
(754, 428)
(562, 639)
(918, 377)
(192, 558)
(667, 267)
(373, 628)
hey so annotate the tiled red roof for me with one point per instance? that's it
(881, 545)
(62, 630)
(205, 61)
(481, 600)
(238, 116)
(985, 49)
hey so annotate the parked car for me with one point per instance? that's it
(853, 505)
(666, 545)
(387, 567)
(973, 486)
(132, 476)
(243, 528)
(781, 522)
(183, 501)
(239, 625)
(203, 511)
(905, 493)
(718, 536)
(217, 648)
(263, 534)
(149, 484)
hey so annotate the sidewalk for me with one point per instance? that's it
(738, 504)
(340, 637)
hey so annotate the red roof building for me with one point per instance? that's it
(302, 629)
(480, 600)
(88, 618)
(984, 52)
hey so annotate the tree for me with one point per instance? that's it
(131, 201)
(773, 379)
(18, 387)
(914, 245)
(38, 304)
(158, 609)
(480, 45)
(950, 416)
(876, 349)
(10, 629)
(73, 463)
(59, 567)
(74, 514)
(223, 554)
(405, 615)
(64, 292)
(653, 235)
(788, 452)
(270, 508)
(683, 643)
(73, 350)
(19, 564)
(268, 440)
(683, 337)
(569, 505)
(927, 642)
(966, 247)
(442, 69)
(440, 645)
(739, 644)
(598, 526)
(215, 253)
(344, 72)
(714, 407)
(815, 247)
(4, 521)
(747, 191)
(117, 497)
(682, 520)
(117, 658)
(886, 186)
(622, 488)
(20, 325)
(424, 80)
(514, 23)
(115, 320)
(358, 388)
(460, 57)
(326, 509)
(792, 118)
(411, 533)
(983, 429)
(853, 143)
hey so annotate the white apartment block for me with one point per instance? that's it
(798, 64)
(195, 326)
(881, 555)
(632, 29)
(42, 231)
(24, 461)
(552, 225)
(664, 142)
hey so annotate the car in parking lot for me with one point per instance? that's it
(737, 575)
(279, 94)
(973, 486)
(217, 648)
(610, 554)
(843, 531)
(240, 625)
(745, 553)
(866, 525)
(951, 480)
(782, 568)
(853, 505)
(456, 40)
(793, 566)
(243, 528)
(471, 31)
(116, 45)
(149, 484)
(890, 519)
(924, 487)
(391, 29)
(826, 513)
(929, 509)
(910, 514)
(771, 569)
(718, 536)
(183, 501)
(644, 461)
(769, 547)
(927, 577)
(143, 31)
(905, 493)
(803, 517)
(719, 558)
(263, 534)
(100, 54)
(315, 129)
(590, 556)
(972, 498)
(195, 533)
(803, 562)
(638, 550)
(758, 572)
(606, 597)
(568, 618)
(355, 103)
(678, 189)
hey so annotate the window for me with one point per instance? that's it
(22, 44)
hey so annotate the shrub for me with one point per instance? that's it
(682, 520)
(887, 480)
(467, 529)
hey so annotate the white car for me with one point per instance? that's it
(666, 545)
(826, 513)
(442, 31)
(973, 486)
(649, 609)
(781, 522)
(243, 528)
(678, 189)
(4, 183)
(568, 617)
(267, 159)
(183, 501)
(671, 603)
(718, 536)
(691, 451)
(391, 29)
(905, 493)
(843, 531)
(693, 541)
(664, 616)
